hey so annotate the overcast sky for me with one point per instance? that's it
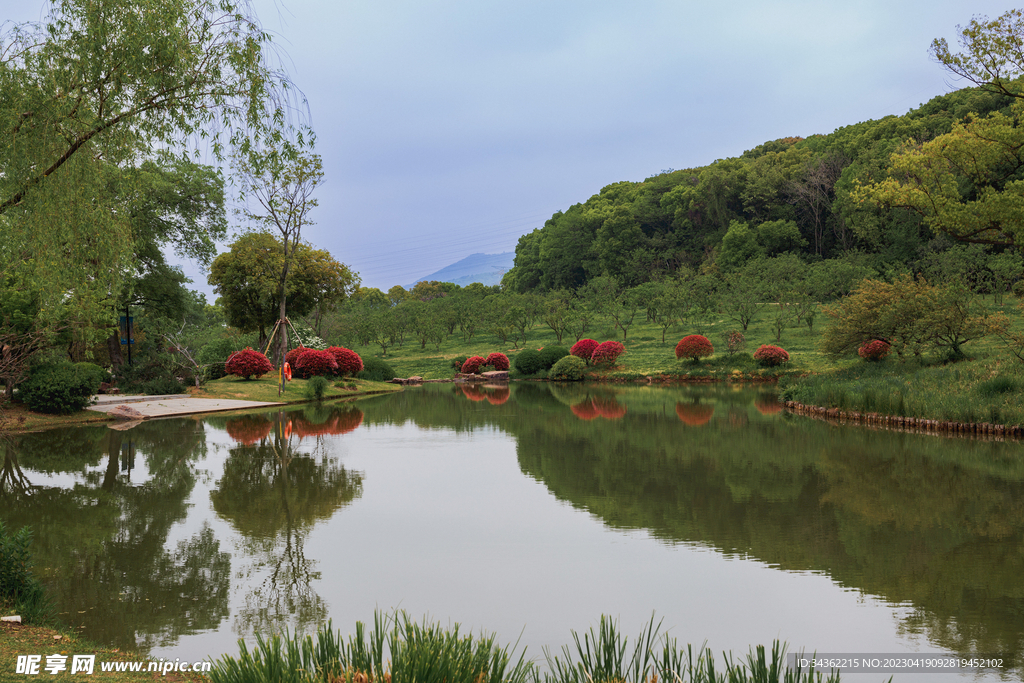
(451, 127)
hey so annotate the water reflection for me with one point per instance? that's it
(273, 494)
(931, 522)
(102, 541)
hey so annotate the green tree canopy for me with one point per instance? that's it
(248, 281)
(96, 87)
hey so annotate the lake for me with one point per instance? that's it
(529, 511)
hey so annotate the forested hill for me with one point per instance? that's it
(788, 195)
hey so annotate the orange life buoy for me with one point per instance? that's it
(288, 372)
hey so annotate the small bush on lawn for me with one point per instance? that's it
(162, 386)
(248, 364)
(316, 363)
(694, 347)
(770, 356)
(568, 369)
(529, 361)
(60, 388)
(376, 370)
(550, 355)
(472, 365)
(584, 349)
(349, 362)
(734, 342)
(457, 363)
(874, 350)
(316, 388)
(497, 360)
(607, 353)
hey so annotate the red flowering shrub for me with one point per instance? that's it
(349, 362)
(769, 356)
(247, 363)
(874, 350)
(584, 349)
(314, 362)
(497, 360)
(607, 353)
(292, 357)
(694, 347)
(472, 365)
(694, 414)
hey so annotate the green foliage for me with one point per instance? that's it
(60, 388)
(528, 362)
(316, 388)
(376, 370)
(997, 385)
(549, 355)
(184, 70)
(248, 280)
(908, 314)
(397, 649)
(568, 369)
(20, 590)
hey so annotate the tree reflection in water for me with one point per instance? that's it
(274, 494)
(100, 544)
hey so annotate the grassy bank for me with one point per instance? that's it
(265, 389)
(987, 386)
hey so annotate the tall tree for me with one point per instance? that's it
(247, 280)
(97, 86)
(282, 187)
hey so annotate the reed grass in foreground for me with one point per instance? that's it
(400, 650)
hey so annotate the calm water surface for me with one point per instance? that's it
(531, 511)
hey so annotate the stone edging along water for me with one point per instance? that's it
(915, 424)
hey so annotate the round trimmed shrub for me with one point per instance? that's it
(550, 355)
(60, 388)
(694, 347)
(349, 362)
(584, 349)
(247, 364)
(472, 365)
(770, 356)
(529, 362)
(376, 370)
(316, 363)
(607, 353)
(874, 350)
(292, 357)
(497, 360)
(568, 369)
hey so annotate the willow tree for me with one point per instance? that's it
(279, 188)
(97, 86)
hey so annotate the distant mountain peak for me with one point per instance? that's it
(487, 269)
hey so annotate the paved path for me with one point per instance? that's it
(177, 404)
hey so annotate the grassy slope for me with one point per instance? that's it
(928, 388)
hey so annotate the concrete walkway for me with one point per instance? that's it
(169, 406)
